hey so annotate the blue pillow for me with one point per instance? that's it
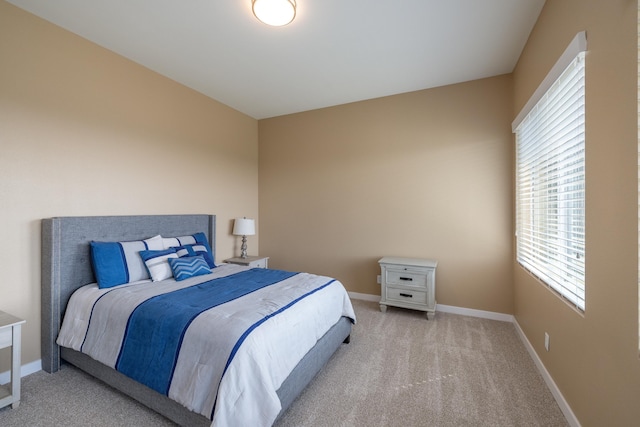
(157, 263)
(117, 263)
(195, 250)
(196, 244)
(186, 267)
(172, 242)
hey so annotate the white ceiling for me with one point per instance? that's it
(334, 52)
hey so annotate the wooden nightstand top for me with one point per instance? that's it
(417, 262)
(7, 319)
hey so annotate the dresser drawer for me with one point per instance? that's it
(6, 337)
(406, 277)
(261, 263)
(406, 295)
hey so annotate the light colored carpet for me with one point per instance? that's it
(403, 370)
(399, 370)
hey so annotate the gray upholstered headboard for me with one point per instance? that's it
(66, 261)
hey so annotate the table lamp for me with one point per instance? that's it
(244, 227)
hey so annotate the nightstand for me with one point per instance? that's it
(408, 283)
(10, 335)
(250, 261)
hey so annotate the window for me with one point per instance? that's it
(550, 184)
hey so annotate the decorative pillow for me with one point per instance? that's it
(117, 263)
(195, 250)
(186, 267)
(196, 244)
(174, 242)
(154, 243)
(157, 263)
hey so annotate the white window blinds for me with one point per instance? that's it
(550, 185)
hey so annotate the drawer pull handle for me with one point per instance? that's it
(409, 279)
(406, 295)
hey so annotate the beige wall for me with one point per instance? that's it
(593, 357)
(425, 174)
(422, 174)
(86, 132)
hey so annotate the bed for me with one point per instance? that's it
(66, 267)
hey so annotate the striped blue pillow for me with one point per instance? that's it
(117, 263)
(157, 263)
(195, 250)
(186, 267)
(196, 244)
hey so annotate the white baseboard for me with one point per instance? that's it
(474, 313)
(25, 370)
(365, 297)
(555, 391)
(447, 309)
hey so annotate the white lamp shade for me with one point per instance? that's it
(244, 227)
(274, 12)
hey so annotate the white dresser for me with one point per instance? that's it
(408, 283)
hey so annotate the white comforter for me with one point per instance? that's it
(282, 333)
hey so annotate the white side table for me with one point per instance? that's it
(408, 283)
(10, 335)
(250, 261)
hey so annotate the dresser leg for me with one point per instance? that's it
(383, 308)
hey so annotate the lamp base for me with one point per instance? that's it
(243, 248)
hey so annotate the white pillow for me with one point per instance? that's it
(157, 263)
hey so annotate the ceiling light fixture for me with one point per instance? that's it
(274, 12)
